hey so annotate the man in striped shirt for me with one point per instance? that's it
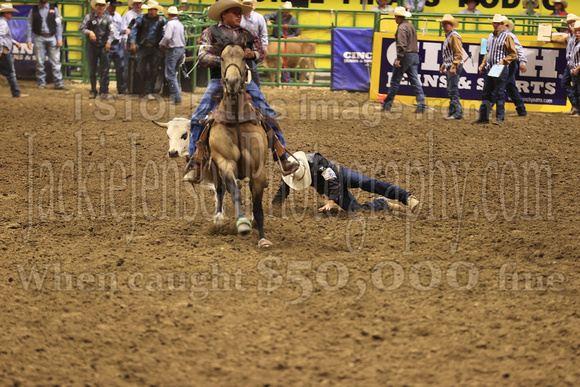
(566, 81)
(574, 65)
(501, 51)
(452, 65)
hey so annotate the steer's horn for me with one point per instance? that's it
(163, 125)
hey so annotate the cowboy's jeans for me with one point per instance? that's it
(7, 69)
(455, 108)
(42, 46)
(409, 66)
(494, 92)
(171, 67)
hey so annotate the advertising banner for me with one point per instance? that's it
(351, 59)
(539, 86)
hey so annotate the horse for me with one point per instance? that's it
(237, 143)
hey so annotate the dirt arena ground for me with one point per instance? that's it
(112, 273)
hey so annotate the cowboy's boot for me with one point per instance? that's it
(288, 166)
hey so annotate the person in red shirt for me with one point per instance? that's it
(560, 8)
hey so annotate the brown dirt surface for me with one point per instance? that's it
(113, 273)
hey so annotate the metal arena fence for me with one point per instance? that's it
(313, 23)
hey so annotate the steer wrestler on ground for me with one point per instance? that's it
(334, 181)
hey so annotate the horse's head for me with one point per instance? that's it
(233, 67)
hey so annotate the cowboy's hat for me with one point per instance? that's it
(287, 5)
(173, 11)
(300, 179)
(570, 17)
(7, 7)
(153, 5)
(254, 3)
(509, 23)
(215, 11)
(130, 2)
(535, 3)
(95, 2)
(563, 2)
(498, 18)
(448, 18)
(401, 11)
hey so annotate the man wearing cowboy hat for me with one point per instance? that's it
(173, 43)
(144, 40)
(471, 4)
(135, 7)
(45, 21)
(452, 65)
(228, 14)
(535, 5)
(407, 61)
(560, 8)
(335, 181)
(256, 24)
(287, 20)
(6, 43)
(501, 51)
(117, 51)
(520, 63)
(570, 41)
(98, 27)
(574, 65)
(383, 6)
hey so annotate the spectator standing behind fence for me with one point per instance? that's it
(574, 65)
(117, 51)
(173, 44)
(570, 41)
(501, 50)
(383, 6)
(407, 61)
(256, 24)
(560, 8)
(471, 4)
(97, 26)
(6, 43)
(287, 18)
(452, 65)
(520, 63)
(144, 40)
(410, 5)
(535, 5)
(135, 9)
(45, 21)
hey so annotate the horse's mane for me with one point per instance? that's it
(229, 40)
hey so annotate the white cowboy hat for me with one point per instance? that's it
(130, 2)
(535, 3)
(173, 11)
(509, 23)
(300, 179)
(152, 4)
(183, 1)
(563, 2)
(448, 18)
(7, 8)
(498, 18)
(254, 2)
(95, 2)
(287, 5)
(215, 11)
(570, 17)
(401, 11)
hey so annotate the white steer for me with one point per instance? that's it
(178, 132)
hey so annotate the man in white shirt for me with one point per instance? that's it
(173, 43)
(256, 24)
(117, 51)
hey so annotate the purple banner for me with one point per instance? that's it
(540, 84)
(351, 58)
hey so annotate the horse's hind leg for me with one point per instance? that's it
(259, 218)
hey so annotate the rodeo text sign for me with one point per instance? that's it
(539, 86)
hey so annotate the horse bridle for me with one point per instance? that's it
(241, 76)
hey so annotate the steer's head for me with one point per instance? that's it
(178, 131)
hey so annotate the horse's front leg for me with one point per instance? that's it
(243, 224)
(219, 193)
(258, 212)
